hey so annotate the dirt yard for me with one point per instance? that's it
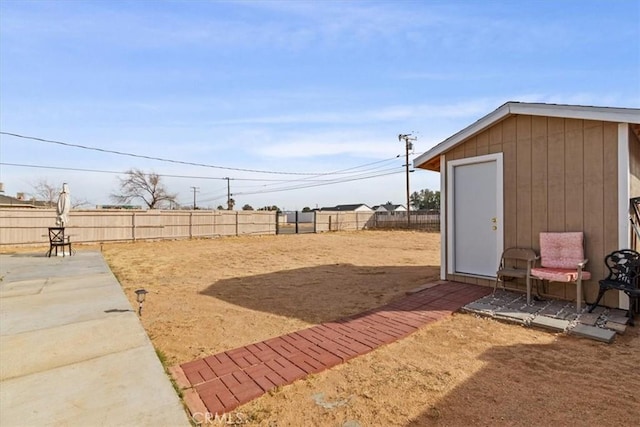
(207, 296)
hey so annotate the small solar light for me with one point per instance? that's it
(141, 294)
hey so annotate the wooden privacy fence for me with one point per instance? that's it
(343, 221)
(29, 226)
(20, 226)
(339, 221)
(418, 220)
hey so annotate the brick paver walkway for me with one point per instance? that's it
(223, 381)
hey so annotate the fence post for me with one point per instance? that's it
(357, 223)
(315, 221)
(296, 222)
(133, 226)
(190, 225)
(237, 230)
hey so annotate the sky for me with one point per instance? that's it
(298, 103)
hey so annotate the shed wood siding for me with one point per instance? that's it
(559, 175)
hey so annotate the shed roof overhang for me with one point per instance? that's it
(431, 159)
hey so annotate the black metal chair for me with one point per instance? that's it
(57, 239)
(624, 273)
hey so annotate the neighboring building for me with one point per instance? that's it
(358, 207)
(526, 168)
(389, 208)
(20, 202)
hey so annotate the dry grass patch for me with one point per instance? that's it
(209, 296)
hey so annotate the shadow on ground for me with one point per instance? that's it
(322, 293)
(568, 382)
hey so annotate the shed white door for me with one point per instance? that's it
(475, 212)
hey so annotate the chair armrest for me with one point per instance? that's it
(580, 267)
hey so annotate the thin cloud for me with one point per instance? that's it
(383, 114)
(330, 144)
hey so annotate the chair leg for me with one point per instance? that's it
(541, 295)
(600, 295)
(633, 301)
(528, 281)
(579, 296)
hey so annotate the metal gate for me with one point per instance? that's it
(296, 222)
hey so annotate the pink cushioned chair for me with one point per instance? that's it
(562, 260)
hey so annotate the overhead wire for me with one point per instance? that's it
(161, 159)
(309, 183)
(353, 173)
(125, 172)
(317, 185)
(327, 182)
(341, 171)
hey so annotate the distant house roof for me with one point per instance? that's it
(13, 202)
(354, 207)
(392, 207)
(389, 207)
(429, 160)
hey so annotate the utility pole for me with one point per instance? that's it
(195, 190)
(228, 193)
(408, 145)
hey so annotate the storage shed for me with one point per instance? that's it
(526, 168)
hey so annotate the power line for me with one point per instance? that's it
(23, 165)
(305, 184)
(125, 172)
(317, 185)
(341, 171)
(142, 156)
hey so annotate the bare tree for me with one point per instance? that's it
(145, 186)
(80, 203)
(46, 192)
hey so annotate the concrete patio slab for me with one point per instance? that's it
(594, 333)
(616, 327)
(551, 314)
(623, 320)
(66, 344)
(73, 351)
(588, 318)
(513, 316)
(105, 391)
(550, 323)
